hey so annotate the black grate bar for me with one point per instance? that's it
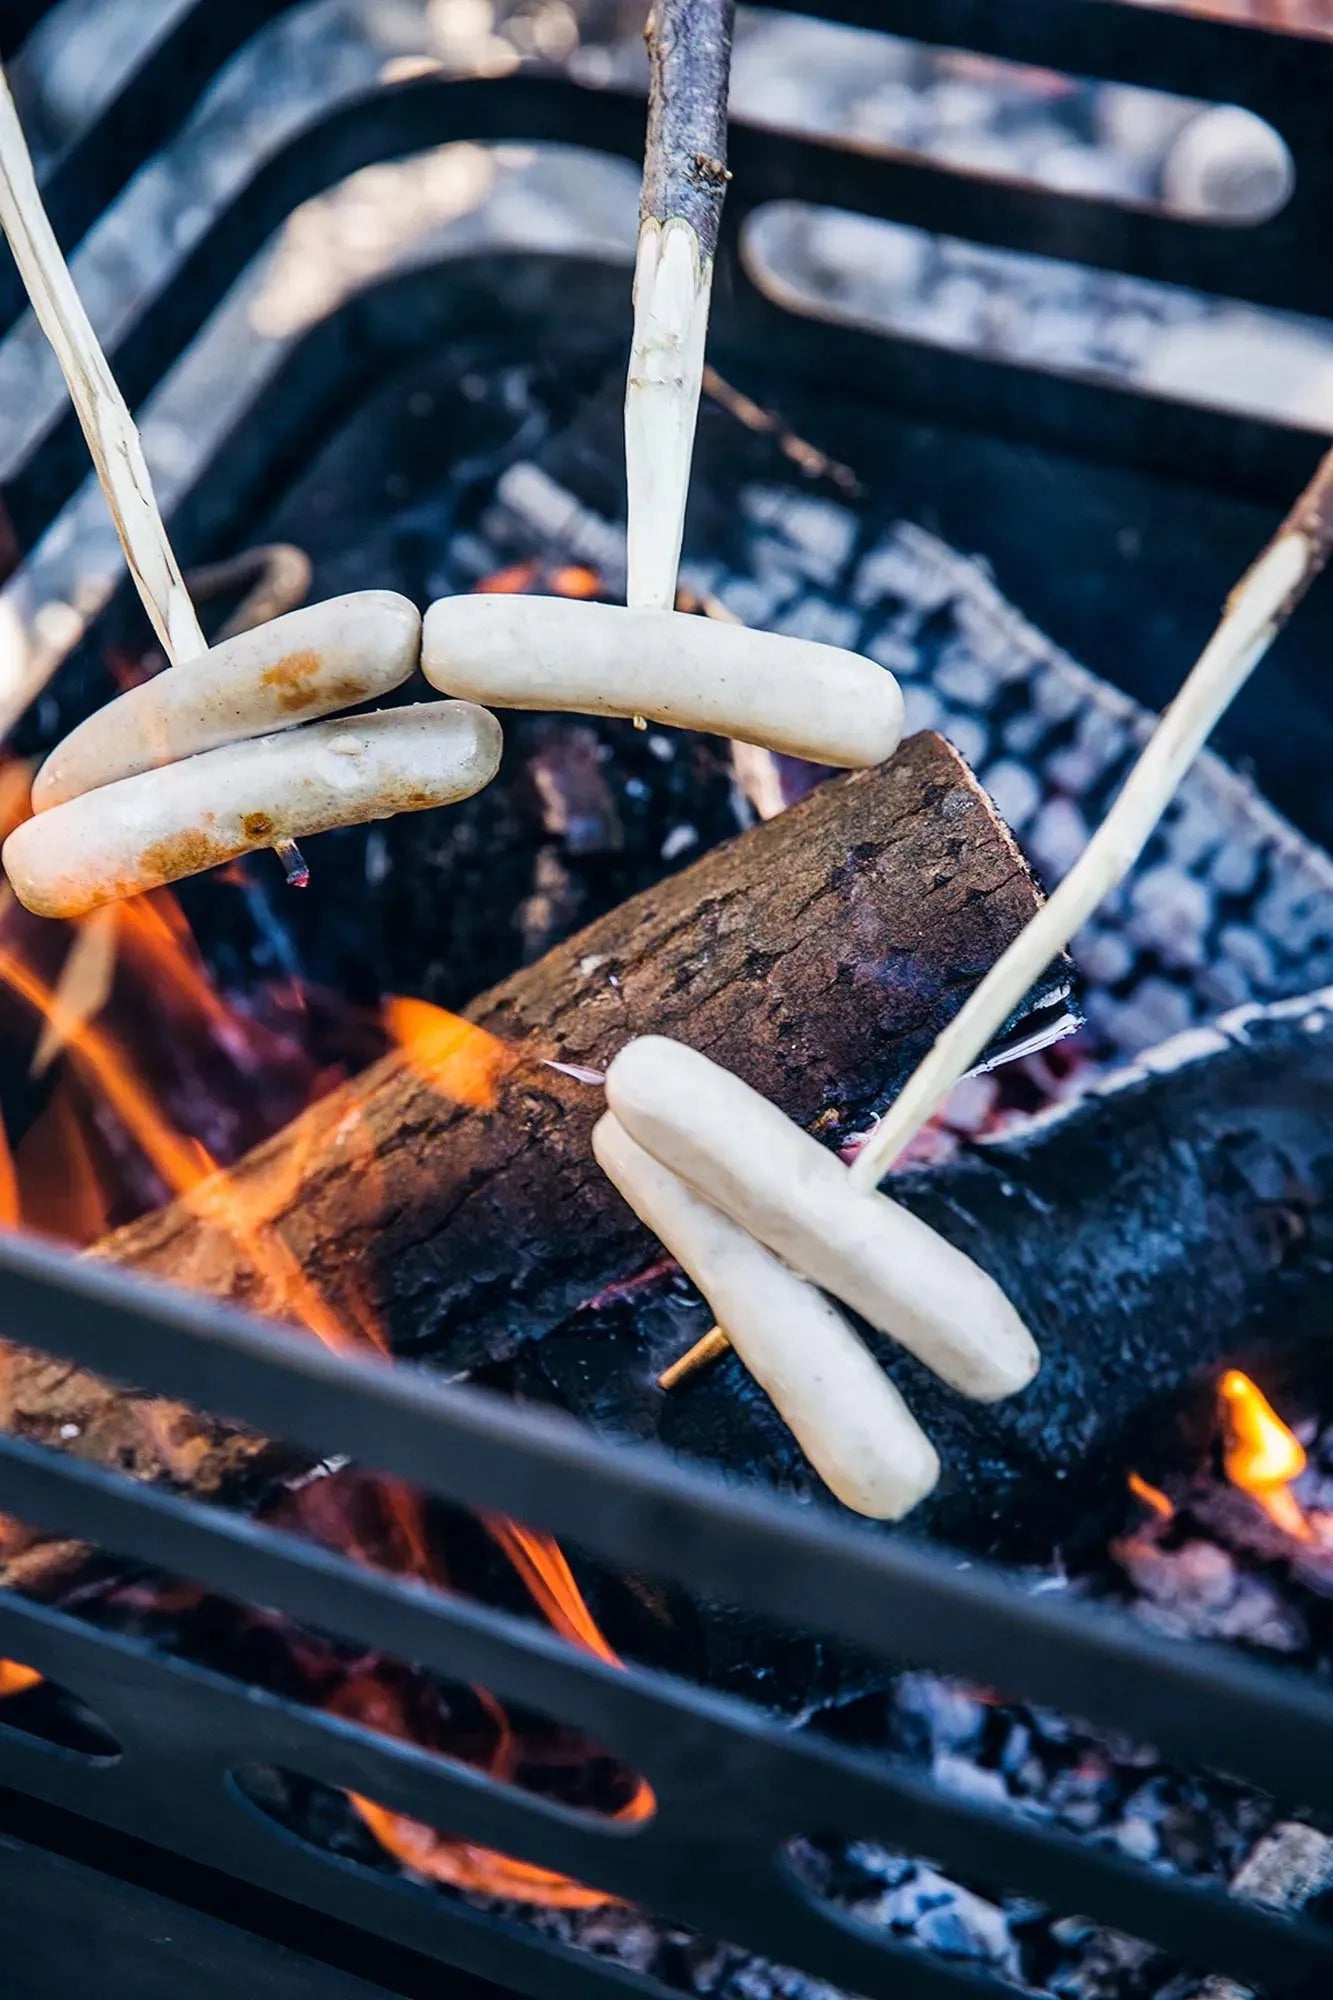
(637, 1507)
(713, 1762)
(1279, 262)
(1141, 42)
(145, 112)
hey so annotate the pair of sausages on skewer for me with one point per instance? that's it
(767, 1222)
(206, 762)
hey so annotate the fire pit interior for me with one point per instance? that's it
(380, 1676)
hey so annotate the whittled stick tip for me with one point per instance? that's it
(711, 1348)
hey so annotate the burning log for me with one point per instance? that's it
(451, 1205)
(458, 1198)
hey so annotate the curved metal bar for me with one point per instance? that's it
(731, 1783)
(1277, 263)
(91, 169)
(638, 1507)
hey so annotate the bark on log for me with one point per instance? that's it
(817, 954)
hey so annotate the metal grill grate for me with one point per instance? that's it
(1283, 78)
(731, 1784)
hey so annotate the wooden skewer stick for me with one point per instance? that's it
(1255, 613)
(104, 417)
(684, 184)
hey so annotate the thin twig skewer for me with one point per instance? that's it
(684, 184)
(113, 438)
(1256, 612)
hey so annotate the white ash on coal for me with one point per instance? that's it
(1228, 903)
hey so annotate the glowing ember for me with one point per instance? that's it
(1262, 1455)
(15, 1678)
(1151, 1496)
(511, 582)
(575, 581)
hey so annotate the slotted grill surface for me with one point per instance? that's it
(731, 1785)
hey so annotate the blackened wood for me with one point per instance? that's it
(685, 158)
(1182, 1220)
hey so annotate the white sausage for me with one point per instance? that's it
(843, 1410)
(307, 664)
(161, 825)
(812, 701)
(740, 1152)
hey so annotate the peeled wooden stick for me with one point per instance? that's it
(739, 1151)
(843, 1410)
(1255, 613)
(160, 825)
(814, 701)
(113, 438)
(101, 410)
(684, 182)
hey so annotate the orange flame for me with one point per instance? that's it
(543, 1568)
(1262, 1456)
(60, 1190)
(155, 936)
(455, 1057)
(460, 1060)
(15, 1678)
(1151, 1496)
(482, 1870)
(182, 1163)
